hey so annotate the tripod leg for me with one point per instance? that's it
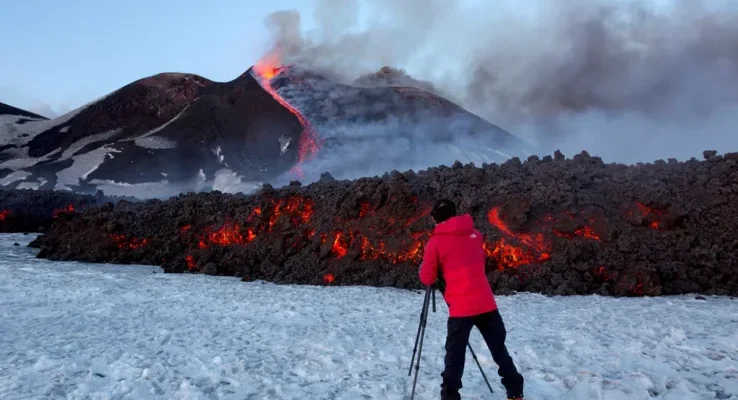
(420, 350)
(474, 356)
(433, 295)
(423, 310)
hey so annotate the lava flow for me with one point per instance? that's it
(387, 238)
(368, 240)
(510, 256)
(229, 233)
(534, 247)
(190, 262)
(308, 146)
(4, 214)
(66, 210)
(651, 215)
(124, 242)
(295, 209)
(409, 250)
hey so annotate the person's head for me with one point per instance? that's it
(443, 210)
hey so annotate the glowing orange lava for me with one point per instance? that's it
(339, 247)
(364, 209)
(227, 234)
(128, 243)
(66, 210)
(393, 240)
(255, 213)
(250, 235)
(328, 278)
(509, 256)
(604, 274)
(295, 209)
(298, 209)
(585, 232)
(408, 250)
(267, 68)
(652, 214)
(190, 262)
(536, 241)
(533, 248)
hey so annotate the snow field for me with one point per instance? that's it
(83, 331)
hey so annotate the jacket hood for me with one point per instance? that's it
(458, 225)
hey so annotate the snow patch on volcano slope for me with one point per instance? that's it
(81, 143)
(155, 142)
(23, 161)
(82, 166)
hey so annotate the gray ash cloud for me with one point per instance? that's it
(630, 81)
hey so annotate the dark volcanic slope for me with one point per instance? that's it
(168, 126)
(324, 101)
(188, 132)
(237, 120)
(6, 109)
(552, 226)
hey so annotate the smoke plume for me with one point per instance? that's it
(625, 80)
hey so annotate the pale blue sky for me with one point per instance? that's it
(67, 53)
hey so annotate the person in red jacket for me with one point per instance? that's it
(455, 259)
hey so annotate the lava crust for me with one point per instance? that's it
(26, 210)
(552, 225)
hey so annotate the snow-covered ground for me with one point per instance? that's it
(81, 331)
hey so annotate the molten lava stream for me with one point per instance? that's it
(307, 146)
(509, 256)
(408, 251)
(536, 241)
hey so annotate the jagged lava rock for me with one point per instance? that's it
(551, 225)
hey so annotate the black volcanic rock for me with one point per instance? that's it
(6, 109)
(36, 210)
(554, 226)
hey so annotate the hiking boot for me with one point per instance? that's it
(450, 395)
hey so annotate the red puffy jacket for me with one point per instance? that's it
(456, 249)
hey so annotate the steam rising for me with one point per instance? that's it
(368, 131)
(626, 80)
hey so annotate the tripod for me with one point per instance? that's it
(430, 293)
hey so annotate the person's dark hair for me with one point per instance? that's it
(443, 210)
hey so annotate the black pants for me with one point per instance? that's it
(492, 328)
